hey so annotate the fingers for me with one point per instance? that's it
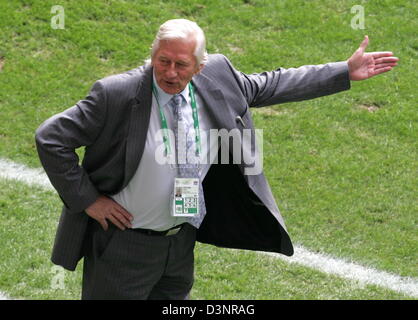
(125, 214)
(119, 216)
(118, 222)
(381, 70)
(377, 54)
(117, 219)
(386, 64)
(380, 54)
(106, 209)
(104, 224)
(364, 44)
(122, 218)
(386, 60)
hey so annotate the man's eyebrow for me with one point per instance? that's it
(183, 62)
(177, 61)
(162, 56)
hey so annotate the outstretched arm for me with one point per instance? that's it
(363, 65)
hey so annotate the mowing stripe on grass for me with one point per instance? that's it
(302, 256)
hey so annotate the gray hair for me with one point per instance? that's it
(185, 30)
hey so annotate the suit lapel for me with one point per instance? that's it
(217, 109)
(138, 125)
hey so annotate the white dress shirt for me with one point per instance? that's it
(148, 195)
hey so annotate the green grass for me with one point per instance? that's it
(344, 177)
(27, 223)
(27, 234)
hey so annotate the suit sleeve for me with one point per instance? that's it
(293, 84)
(58, 138)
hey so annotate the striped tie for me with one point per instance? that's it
(187, 165)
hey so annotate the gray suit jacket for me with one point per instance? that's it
(112, 122)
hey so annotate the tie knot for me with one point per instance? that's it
(177, 100)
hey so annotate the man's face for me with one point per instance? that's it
(175, 64)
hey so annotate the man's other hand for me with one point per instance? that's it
(104, 209)
(363, 65)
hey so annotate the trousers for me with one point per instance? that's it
(127, 264)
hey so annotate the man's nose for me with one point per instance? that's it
(171, 71)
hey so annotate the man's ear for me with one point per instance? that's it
(199, 69)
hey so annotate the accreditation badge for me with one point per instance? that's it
(186, 197)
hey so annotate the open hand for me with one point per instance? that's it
(104, 209)
(363, 65)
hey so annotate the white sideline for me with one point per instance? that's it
(3, 296)
(302, 256)
(351, 271)
(19, 172)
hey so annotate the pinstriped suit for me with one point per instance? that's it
(112, 123)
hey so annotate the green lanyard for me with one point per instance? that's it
(164, 126)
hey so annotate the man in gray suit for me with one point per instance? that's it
(120, 211)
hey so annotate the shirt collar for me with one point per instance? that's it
(163, 97)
